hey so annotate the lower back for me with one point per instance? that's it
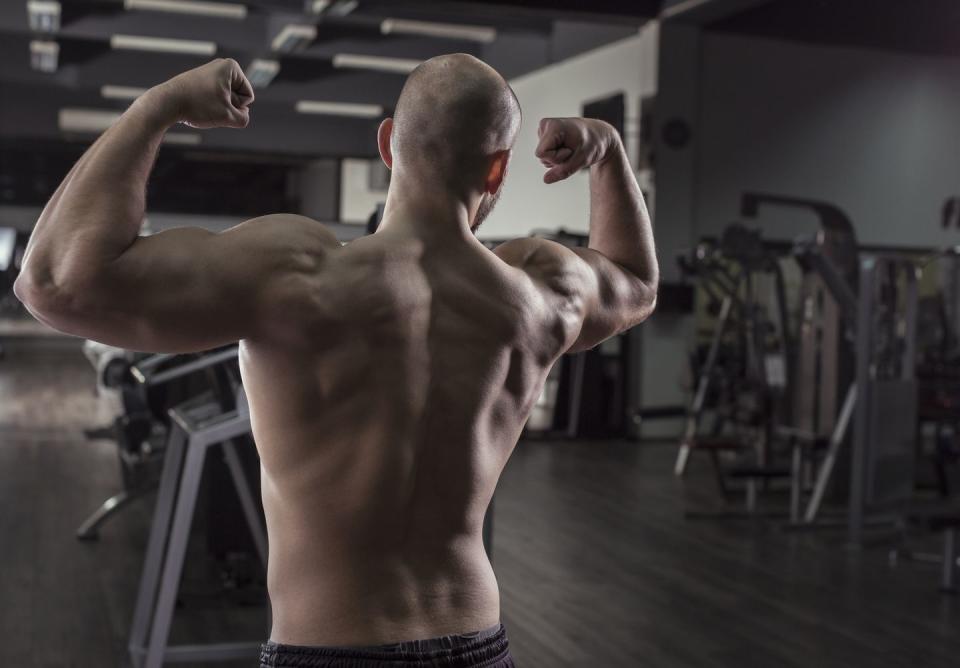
(324, 593)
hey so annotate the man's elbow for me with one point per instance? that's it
(645, 299)
(31, 292)
(46, 299)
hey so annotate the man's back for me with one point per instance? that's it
(382, 432)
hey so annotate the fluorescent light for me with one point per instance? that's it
(182, 138)
(121, 92)
(261, 72)
(483, 34)
(293, 37)
(95, 121)
(86, 120)
(225, 10)
(680, 8)
(44, 15)
(339, 108)
(331, 7)
(163, 44)
(44, 55)
(379, 63)
(342, 7)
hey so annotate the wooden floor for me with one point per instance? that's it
(596, 563)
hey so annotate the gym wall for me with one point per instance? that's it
(871, 131)
(357, 196)
(526, 204)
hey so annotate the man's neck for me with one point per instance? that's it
(426, 214)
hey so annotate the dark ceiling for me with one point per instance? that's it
(35, 148)
(929, 27)
(529, 35)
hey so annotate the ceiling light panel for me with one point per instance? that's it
(482, 34)
(44, 55)
(163, 45)
(294, 37)
(121, 92)
(342, 7)
(224, 10)
(378, 63)
(44, 15)
(261, 71)
(94, 121)
(85, 120)
(339, 108)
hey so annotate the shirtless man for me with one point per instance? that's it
(388, 379)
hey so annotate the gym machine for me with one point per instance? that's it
(742, 374)
(216, 419)
(149, 385)
(850, 370)
(858, 306)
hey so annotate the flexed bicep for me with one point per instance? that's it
(189, 289)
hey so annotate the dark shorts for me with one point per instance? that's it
(480, 649)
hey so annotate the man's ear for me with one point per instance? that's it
(498, 170)
(383, 141)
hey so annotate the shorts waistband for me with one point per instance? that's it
(462, 650)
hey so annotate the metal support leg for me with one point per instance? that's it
(703, 385)
(246, 500)
(579, 368)
(826, 467)
(159, 531)
(796, 480)
(718, 473)
(176, 550)
(859, 475)
(949, 579)
(90, 529)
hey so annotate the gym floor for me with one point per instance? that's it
(597, 565)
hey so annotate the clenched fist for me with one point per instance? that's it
(214, 95)
(569, 144)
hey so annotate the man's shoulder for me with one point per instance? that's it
(534, 253)
(293, 230)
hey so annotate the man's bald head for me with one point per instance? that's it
(454, 114)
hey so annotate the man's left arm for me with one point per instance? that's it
(87, 272)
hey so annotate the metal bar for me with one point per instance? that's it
(703, 384)
(909, 361)
(90, 528)
(176, 550)
(751, 496)
(948, 581)
(830, 459)
(786, 247)
(789, 351)
(195, 365)
(838, 287)
(861, 432)
(579, 362)
(796, 464)
(156, 544)
(246, 499)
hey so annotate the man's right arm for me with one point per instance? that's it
(611, 285)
